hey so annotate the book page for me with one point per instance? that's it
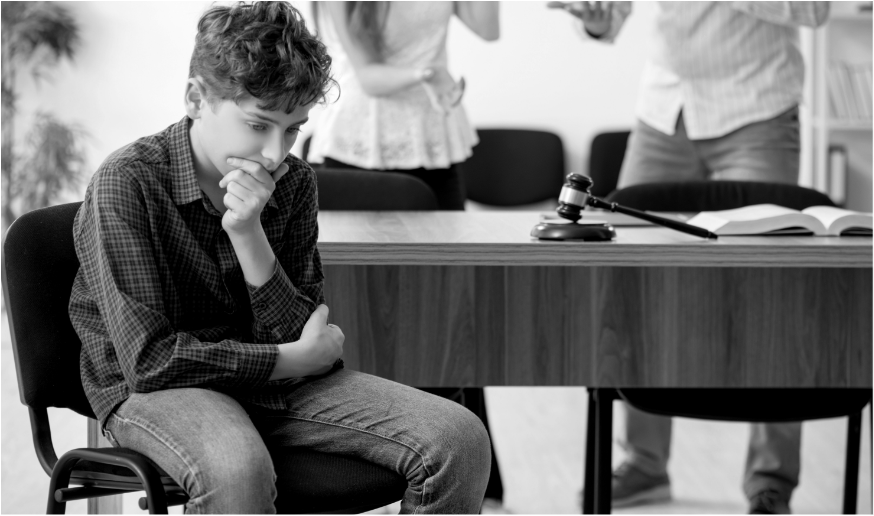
(837, 219)
(756, 220)
(755, 212)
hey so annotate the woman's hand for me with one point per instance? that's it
(443, 91)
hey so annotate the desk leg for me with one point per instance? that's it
(591, 453)
(104, 504)
(851, 470)
(604, 451)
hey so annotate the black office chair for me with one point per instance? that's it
(752, 405)
(306, 148)
(606, 153)
(39, 265)
(366, 190)
(512, 167)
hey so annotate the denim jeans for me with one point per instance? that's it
(762, 151)
(773, 454)
(219, 450)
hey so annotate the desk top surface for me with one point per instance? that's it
(503, 238)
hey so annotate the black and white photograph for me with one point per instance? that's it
(436, 257)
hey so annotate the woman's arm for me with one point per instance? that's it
(377, 79)
(480, 17)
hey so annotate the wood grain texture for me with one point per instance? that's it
(606, 326)
(503, 238)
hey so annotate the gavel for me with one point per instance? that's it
(576, 195)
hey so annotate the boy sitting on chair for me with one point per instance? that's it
(199, 300)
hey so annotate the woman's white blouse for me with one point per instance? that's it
(402, 130)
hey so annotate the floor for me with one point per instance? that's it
(539, 435)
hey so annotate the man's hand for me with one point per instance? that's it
(596, 16)
(320, 345)
(249, 187)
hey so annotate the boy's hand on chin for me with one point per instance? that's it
(249, 187)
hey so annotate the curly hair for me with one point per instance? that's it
(262, 50)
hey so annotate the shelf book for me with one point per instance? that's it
(770, 219)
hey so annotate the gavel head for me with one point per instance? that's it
(574, 197)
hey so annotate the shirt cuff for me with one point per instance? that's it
(255, 364)
(271, 303)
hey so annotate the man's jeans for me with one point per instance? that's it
(773, 455)
(219, 450)
(762, 151)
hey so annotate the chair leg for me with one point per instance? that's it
(851, 472)
(604, 446)
(589, 471)
(60, 479)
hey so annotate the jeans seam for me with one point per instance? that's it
(147, 428)
(411, 448)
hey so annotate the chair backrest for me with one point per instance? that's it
(606, 153)
(511, 167)
(695, 196)
(365, 190)
(39, 265)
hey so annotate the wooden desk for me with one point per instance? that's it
(469, 298)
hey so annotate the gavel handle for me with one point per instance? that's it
(662, 221)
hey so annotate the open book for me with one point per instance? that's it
(770, 219)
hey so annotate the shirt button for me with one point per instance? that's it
(260, 306)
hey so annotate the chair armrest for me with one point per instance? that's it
(123, 457)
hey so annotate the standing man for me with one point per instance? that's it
(718, 100)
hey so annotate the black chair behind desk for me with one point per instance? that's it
(305, 150)
(512, 167)
(606, 153)
(752, 405)
(366, 190)
(39, 265)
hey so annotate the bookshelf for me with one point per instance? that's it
(836, 130)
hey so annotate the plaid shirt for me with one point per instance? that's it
(160, 301)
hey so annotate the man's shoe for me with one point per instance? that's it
(769, 502)
(632, 486)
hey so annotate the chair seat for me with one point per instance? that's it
(754, 405)
(308, 481)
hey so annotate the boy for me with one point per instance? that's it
(199, 298)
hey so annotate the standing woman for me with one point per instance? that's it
(399, 109)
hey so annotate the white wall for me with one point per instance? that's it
(544, 74)
(128, 77)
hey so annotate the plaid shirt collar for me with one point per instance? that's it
(186, 189)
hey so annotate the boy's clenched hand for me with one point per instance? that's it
(320, 345)
(249, 187)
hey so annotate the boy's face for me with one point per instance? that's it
(232, 130)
